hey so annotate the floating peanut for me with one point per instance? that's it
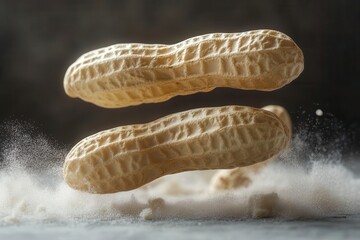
(282, 114)
(130, 74)
(241, 176)
(128, 157)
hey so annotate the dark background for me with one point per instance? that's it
(40, 39)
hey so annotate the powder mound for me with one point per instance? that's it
(301, 183)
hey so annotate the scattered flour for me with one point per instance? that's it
(298, 184)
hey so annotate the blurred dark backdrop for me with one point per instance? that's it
(40, 39)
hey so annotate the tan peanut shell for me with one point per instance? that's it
(227, 179)
(128, 157)
(130, 74)
(282, 114)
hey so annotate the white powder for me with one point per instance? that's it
(291, 187)
(319, 112)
